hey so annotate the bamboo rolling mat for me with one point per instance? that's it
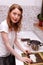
(39, 58)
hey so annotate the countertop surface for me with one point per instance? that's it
(27, 34)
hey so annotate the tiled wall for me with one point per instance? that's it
(29, 15)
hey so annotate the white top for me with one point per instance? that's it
(11, 35)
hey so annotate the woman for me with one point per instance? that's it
(8, 36)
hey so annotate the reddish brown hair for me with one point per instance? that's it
(17, 26)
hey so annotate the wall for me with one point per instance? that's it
(21, 2)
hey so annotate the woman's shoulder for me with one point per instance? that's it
(4, 26)
(4, 23)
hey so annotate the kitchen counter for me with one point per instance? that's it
(27, 34)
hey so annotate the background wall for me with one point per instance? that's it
(21, 2)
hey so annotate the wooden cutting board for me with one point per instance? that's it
(39, 59)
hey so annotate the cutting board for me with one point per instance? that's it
(39, 58)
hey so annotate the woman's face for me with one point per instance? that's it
(15, 15)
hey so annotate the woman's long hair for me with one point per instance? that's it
(16, 26)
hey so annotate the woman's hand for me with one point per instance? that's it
(26, 60)
(27, 52)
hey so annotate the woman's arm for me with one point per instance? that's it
(19, 45)
(7, 44)
(11, 50)
(16, 42)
